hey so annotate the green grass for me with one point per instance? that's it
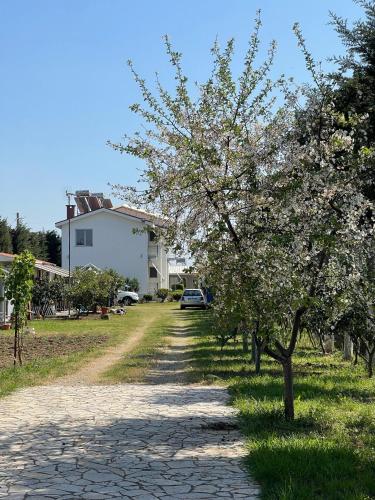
(116, 330)
(328, 452)
(135, 364)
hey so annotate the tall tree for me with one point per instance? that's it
(5, 237)
(53, 243)
(229, 169)
(355, 80)
(38, 245)
(20, 237)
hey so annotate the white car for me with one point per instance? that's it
(127, 298)
(193, 297)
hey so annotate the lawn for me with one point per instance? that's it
(62, 346)
(329, 451)
(134, 365)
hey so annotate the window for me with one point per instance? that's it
(192, 293)
(153, 272)
(84, 237)
(151, 236)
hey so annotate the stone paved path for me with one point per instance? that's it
(120, 441)
(160, 440)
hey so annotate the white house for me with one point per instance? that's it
(121, 238)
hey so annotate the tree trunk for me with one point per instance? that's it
(257, 360)
(253, 348)
(329, 343)
(288, 389)
(15, 344)
(311, 339)
(355, 362)
(321, 342)
(19, 348)
(348, 347)
(245, 341)
(370, 363)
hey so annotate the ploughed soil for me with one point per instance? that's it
(48, 346)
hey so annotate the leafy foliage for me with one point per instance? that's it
(269, 193)
(46, 292)
(5, 237)
(18, 288)
(162, 293)
(132, 283)
(43, 245)
(90, 288)
(176, 294)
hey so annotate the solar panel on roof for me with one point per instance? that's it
(93, 202)
(107, 203)
(82, 205)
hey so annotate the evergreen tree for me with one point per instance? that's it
(5, 237)
(355, 79)
(20, 237)
(38, 245)
(53, 244)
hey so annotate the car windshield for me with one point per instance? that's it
(192, 293)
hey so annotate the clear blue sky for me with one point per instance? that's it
(65, 87)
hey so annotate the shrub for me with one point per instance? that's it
(133, 284)
(147, 297)
(176, 295)
(162, 293)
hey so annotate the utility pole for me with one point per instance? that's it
(69, 214)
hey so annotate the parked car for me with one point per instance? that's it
(193, 297)
(127, 298)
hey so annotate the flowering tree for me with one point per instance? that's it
(267, 198)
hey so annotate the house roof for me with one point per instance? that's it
(92, 267)
(6, 257)
(39, 264)
(122, 210)
(140, 214)
(51, 268)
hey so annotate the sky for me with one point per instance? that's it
(65, 88)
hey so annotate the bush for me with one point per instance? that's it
(133, 284)
(178, 286)
(162, 293)
(176, 295)
(147, 297)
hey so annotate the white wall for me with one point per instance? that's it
(158, 257)
(6, 308)
(114, 245)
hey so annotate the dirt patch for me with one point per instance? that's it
(48, 346)
(91, 373)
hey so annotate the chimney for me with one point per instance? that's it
(70, 211)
